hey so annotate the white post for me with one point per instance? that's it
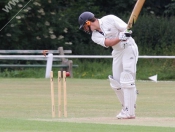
(49, 65)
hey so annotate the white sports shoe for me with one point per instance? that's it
(124, 115)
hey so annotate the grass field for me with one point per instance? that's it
(25, 106)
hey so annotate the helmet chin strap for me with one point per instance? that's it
(90, 31)
(88, 23)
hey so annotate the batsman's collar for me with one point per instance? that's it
(101, 26)
(100, 22)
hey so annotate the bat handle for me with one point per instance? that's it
(128, 34)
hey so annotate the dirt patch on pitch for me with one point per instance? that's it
(141, 121)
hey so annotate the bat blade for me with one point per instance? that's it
(135, 13)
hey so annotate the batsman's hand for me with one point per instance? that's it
(123, 36)
(45, 52)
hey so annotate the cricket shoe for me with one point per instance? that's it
(124, 115)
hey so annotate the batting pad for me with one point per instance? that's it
(128, 85)
(135, 90)
(127, 80)
(117, 89)
(129, 99)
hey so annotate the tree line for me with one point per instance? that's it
(49, 24)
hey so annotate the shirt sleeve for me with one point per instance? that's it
(119, 24)
(98, 38)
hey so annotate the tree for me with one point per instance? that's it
(52, 23)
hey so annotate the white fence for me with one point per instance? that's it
(13, 57)
(50, 58)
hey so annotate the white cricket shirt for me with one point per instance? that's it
(111, 26)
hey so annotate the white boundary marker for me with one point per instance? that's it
(153, 78)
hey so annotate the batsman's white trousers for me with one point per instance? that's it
(125, 60)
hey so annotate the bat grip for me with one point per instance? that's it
(128, 34)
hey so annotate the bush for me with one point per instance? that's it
(154, 35)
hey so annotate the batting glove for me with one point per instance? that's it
(123, 36)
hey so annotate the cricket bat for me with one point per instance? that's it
(135, 13)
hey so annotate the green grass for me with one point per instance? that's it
(18, 125)
(25, 106)
(163, 67)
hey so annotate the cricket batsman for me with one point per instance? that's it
(111, 31)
